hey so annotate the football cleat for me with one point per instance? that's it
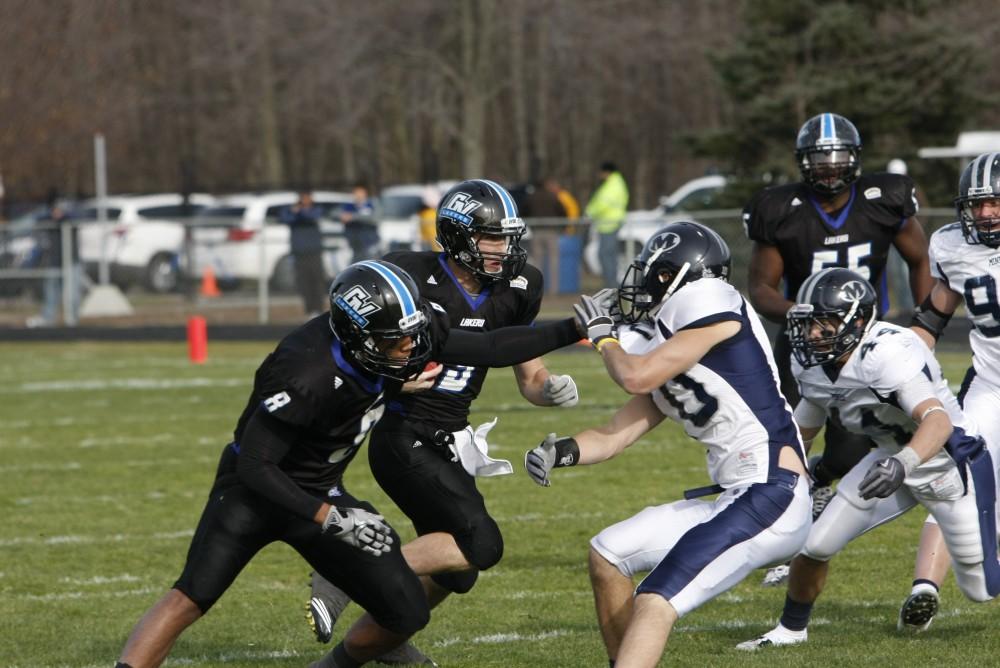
(324, 607)
(918, 610)
(404, 655)
(779, 635)
(776, 576)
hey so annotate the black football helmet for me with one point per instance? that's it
(371, 305)
(835, 308)
(980, 181)
(828, 152)
(476, 207)
(677, 254)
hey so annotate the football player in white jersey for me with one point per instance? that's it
(692, 349)
(879, 379)
(965, 265)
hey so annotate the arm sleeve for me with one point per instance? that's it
(507, 346)
(264, 443)
(808, 415)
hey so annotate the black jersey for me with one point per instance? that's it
(309, 384)
(858, 237)
(501, 304)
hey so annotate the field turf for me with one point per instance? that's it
(106, 456)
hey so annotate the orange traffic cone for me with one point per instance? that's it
(209, 288)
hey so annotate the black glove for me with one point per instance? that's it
(883, 478)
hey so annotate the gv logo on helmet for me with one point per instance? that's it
(357, 304)
(853, 291)
(459, 208)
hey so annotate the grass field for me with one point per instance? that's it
(106, 456)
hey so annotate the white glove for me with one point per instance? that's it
(607, 298)
(359, 528)
(551, 453)
(560, 391)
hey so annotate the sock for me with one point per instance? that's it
(122, 664)
(342, 658)
(920, 581)
(611, 663)
(795, 616)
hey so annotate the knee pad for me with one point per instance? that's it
(482, 543)
(460, 582)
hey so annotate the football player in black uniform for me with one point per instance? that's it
(835, 217)
(482, 281)
(313, 402)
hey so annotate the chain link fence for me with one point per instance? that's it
(41, 275)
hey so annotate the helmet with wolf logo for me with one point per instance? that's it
(676, 255)
(834, 309)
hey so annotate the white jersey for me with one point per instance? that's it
(973, 271)
(729, 401)
(873, 392)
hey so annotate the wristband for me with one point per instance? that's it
(605, 341)
(567, 452)
(909, 458)
(931, 410)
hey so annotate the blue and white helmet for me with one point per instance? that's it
(828, 152)
(477, 207)
(372, 304)
(980, 181)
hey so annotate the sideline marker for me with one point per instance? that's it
(197, 336)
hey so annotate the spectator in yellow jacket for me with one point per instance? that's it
(606, 209)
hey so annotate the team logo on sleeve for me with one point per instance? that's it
(357, 304)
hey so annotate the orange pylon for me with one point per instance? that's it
(209, 288)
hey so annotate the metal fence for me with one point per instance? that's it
(28, 276)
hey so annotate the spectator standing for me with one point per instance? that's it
(569, 203)
(50, 242)
(307, 252)
(359, 225)
(606, 209)
(545, 210)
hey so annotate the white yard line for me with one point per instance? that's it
(122, 384)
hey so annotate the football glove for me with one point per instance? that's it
(551, 453)
(359, 528)
(594, 318)
(560, 391)
(608, 299)
(883, 478)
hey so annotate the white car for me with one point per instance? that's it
(243, 233)
(142, 239)
(398, 208)
(695, 195)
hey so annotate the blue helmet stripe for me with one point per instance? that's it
(403, 295)
(510, 209)
(829, 127)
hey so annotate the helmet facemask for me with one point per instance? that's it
(829, 170)
(463, 246)
(643, 289)
(818, 338)
(478, 211)
(374, 306)
(375, 350)
(978, 201)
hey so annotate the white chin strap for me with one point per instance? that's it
(681, 273)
